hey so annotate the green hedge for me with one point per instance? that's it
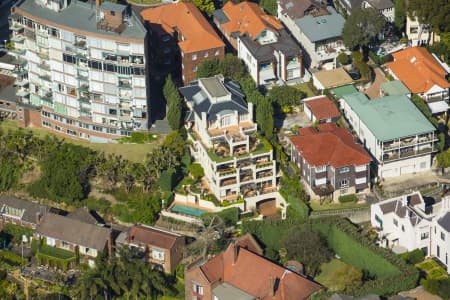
(388, 272)
(413, 257)
(11, 258)
(348, 198)
(167, 180)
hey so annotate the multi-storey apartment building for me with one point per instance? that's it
(86, 67)
(331, 163)
(316, 27)
(237, 162)
(393, 130)
(182, 39)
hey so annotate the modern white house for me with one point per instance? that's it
(409, 222)
(237, 162)
(393, 130)
(419, 34)
(316, 27)
(385, 7)
(86, 72)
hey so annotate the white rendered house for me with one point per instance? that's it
(409, 222)
(317, 28)
(393, 130)
(385, 7)
(419, 34)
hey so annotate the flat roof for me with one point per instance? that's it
(389, 117)
(333, 78)
(344, 90)
(322, 27)
(80, 16)
(214, 87)
(394, 88)
(225, 291)
(438, 107)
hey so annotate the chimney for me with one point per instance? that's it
(97, 4)
(235, 252)
(272, 286)
(38, 218)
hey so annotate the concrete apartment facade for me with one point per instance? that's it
(409, 222)
(237, 162)
(316, 27)
(419, 34)
(397, 135)
(86, 72)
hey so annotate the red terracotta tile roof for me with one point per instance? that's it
(335, 147)
(248, 242)
(256, 275)
(187, 18)
(418, 70)
(322, 108)
(327, 127)
(307, 131)
(248, 17)
(152, 236)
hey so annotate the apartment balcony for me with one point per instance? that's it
(227, 182)
(19, 71)
(21, 81)
(263, 174)
(43, 55)
(227, 173)
(264, 164)
(406, 154)
(125, 85)
(44, 66)
(17, 51)
(407, 142)
(18, 39)
(48, 97)
(80, 44)
(230, 197)
(246, 178)
(83, 88)
(85, 100)
(45, 77)
(17, 27)
(22, 92)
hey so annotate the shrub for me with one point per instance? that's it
(167, 180)
(357, 56)
(348, 198)
(230, 216)
(11, 258)
(343, 58)
(196, 171)
(413, 257)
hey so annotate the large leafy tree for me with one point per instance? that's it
(312, 253)
(206, 6)
(269, 6)
(283, 96)
(400, 15)
(362, 27)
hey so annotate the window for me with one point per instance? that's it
(395, 222)
(69, 58)
(194, 69)
(197, 289)
(424, 235)
(344, 170)
(442, 236)
(194, 56)
(206, 54)
(97, 128)
(360, 168)
(379, 221)
(217, 53)
(344, 183)
(113, 13)
(157, 254)
(438, 251)
(403, 228)
(321, 169)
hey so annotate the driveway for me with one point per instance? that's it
(419, 293)
(373, 91)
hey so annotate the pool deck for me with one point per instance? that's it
(190, 205)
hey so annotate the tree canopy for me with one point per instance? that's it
(362, 27)
(282, 96)
(174, 104)
(434, 13)
(400, 15)
(206, 6)
(270, 6)
(230, 67)
(264, 116)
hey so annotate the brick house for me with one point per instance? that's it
(160, 247)
(74, 235)
(182, 38)
(239, 273)
(330, 161)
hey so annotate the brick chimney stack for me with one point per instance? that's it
(97, 4)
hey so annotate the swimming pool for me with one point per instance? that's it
(188, 210)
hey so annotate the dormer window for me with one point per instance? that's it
(113, 13)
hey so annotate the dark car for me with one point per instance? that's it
(354, 74)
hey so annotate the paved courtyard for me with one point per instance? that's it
(373, 91)
(410, 182)
(299, 119)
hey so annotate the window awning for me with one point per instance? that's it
(438, 107)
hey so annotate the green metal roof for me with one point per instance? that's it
(389, 117)
(344, 90)
(394, 88)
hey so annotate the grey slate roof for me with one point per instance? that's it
(30, 209)
(83, 215)
(200, 102)
(322, 27)
(81, 16)
(220, 16)
(445, 221)
(298, 8)
(381, 4)
(354, 4)
(74, 231)
(262, 53)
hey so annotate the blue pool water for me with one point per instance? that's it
(187, 210)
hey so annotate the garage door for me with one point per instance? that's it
(387, 173)
(406, 170)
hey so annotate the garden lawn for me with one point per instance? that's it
(334, 275)
(355, 254)
(55, 252)
(132, 152)
(305, 88)
(315, 205)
